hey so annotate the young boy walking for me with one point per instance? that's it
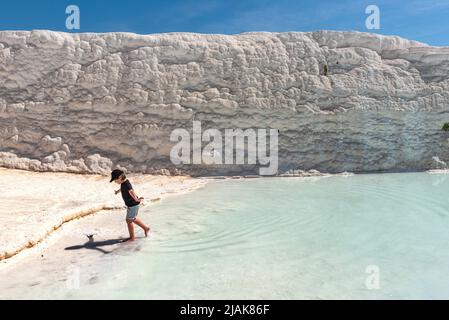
(132, 203)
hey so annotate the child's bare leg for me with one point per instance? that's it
(130, 229)
(142, 225)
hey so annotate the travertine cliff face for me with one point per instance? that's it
(343, 101)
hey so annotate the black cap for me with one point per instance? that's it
(115, 174)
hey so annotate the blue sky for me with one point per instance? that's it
(422, 20)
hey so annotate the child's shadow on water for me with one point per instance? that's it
(95, 245)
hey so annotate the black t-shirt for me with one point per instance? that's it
(124, 188)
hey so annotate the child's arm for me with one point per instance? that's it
(134, 196)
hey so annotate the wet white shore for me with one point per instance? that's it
(34, 205)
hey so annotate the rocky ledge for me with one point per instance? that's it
(342, 101)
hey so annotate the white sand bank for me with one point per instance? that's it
(33, 204)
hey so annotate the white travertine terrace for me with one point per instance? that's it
(89, 102)
(34, 205)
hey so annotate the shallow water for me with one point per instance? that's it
(291, 238)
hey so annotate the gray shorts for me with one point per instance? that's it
(131, 212)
